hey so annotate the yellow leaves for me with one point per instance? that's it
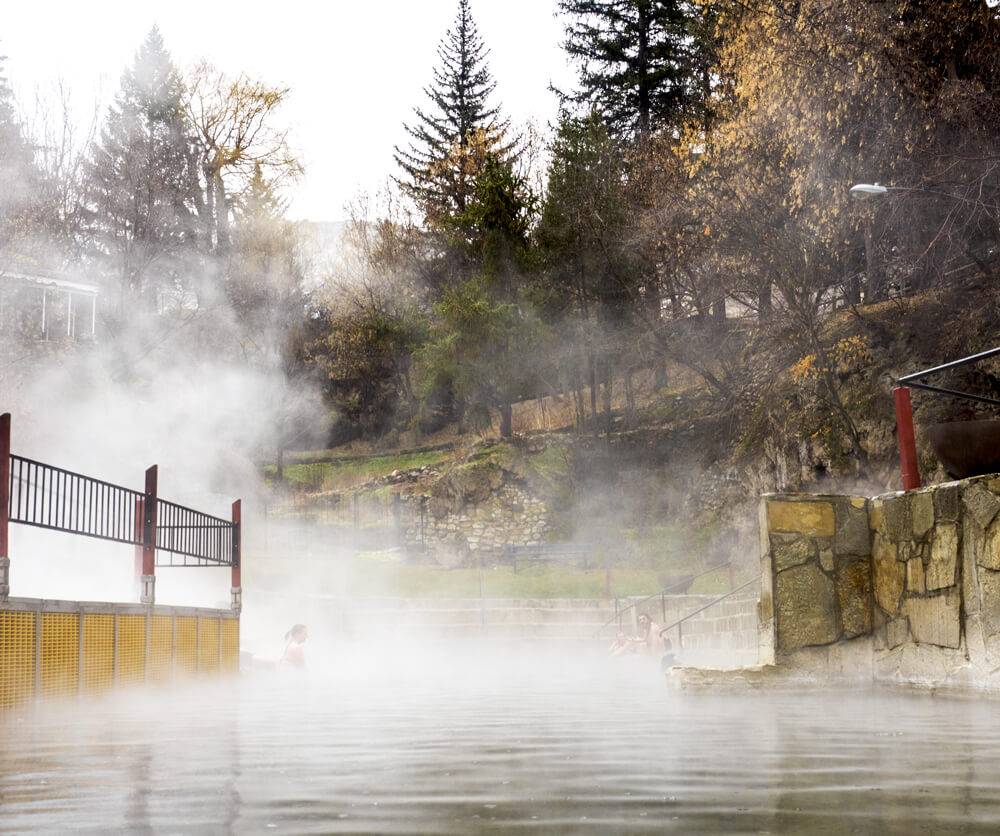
(707, 232)
(805, 369)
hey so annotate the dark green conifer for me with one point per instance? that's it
(640, 65)
(451, 140)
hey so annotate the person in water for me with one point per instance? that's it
(647, 643)
(294, 656)
(649, 640)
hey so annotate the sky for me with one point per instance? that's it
(356, 69)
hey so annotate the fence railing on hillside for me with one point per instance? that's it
(163, 533)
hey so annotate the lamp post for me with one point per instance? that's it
(905, 435)
(866, 191)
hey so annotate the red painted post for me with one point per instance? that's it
(4, 505)
(236, 592)
(148, 595)
(906, 437)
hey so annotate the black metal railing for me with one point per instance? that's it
(917, 379)
(45, 496)
(677, 586)
(196, 538)
(677, 624)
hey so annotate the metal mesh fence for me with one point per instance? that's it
(17, 658)
(131, 649)
(186, 654)
(161, 649)
(208, 645)
(70, 649)
(230, 645)
(98, 652)
(59, 673)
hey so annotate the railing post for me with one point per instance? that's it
(4, 506)
(236, 592)
(906, 438)
(139, 524)
(148, 593)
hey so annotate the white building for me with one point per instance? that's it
(52, 308)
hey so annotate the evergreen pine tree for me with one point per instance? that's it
(639, 61)
(451, 142)
(142, 183)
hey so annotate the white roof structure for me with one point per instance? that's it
(50, 281)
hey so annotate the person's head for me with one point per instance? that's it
(297, 634)
(644, 622)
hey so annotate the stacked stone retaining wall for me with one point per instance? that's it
(920, 606)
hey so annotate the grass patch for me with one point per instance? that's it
(348, 473)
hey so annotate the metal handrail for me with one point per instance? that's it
(915, 379)
(45, 496)
(709, 605)
(682, 583)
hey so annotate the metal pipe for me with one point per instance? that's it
(906, 438)
(954, 364)
(940, 390)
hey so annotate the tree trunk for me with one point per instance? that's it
(592, 374)
(222, 214)
(506, 420)
(765, 306)
(642, 69)
(719, 311)
(609, 379)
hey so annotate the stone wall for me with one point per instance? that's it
(921, 606)
(474, 510)
(817, 570)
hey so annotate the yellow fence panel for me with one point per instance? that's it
(208, 645)
(230, 661)
(17, 658)
(60, 654)
(161, 649)
(98, 652)
(89, 652)
(131, 649)
(186, 652)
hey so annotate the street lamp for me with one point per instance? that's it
(905, 435)
(863, 191)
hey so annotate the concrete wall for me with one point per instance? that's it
(912, 597)
(722, 635)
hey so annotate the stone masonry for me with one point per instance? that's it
(913, 579)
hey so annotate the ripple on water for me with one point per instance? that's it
(474, 743)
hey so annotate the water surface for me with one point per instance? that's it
(468, 739)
